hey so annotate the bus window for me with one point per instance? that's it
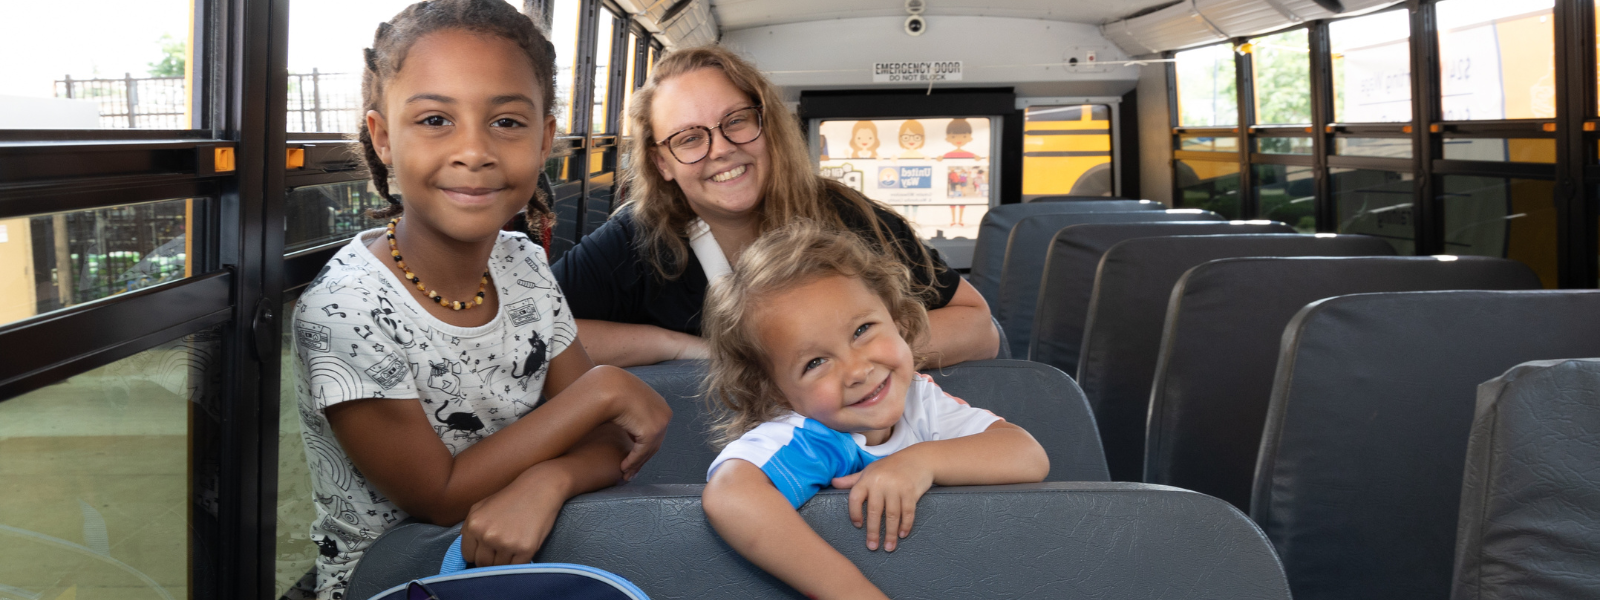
(1207, 87)
(1066, 150)
(125, 65)
(1372, 68)
(1497, 59)
(1281, 68)
(564, 35)
(325, 61)
(605, 31)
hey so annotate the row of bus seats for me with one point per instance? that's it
(1322, 386)
(1310, 380)
(1074, 535)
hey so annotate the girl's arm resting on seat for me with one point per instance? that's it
(393, 444)
(961, 330)
(891, 486)
(757, 521)
(629, 344)
(509, 526)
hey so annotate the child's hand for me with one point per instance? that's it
(890, 487)
(508, 527)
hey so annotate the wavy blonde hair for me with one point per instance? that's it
(740, 390)
(793, 190)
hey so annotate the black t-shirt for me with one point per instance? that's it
(606, 279)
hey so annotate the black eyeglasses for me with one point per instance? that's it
(693, 144)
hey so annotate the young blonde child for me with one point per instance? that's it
(813, 371)
(439, 376)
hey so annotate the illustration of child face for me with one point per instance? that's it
(911, 141)
(958, 139)
(864, 139)
(836, 355)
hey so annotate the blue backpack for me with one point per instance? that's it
(514, 582)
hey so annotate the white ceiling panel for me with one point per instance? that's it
(741, 14)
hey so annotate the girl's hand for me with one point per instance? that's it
(890, 487)
(640, 411)
(508, 527)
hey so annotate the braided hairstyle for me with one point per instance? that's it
(388, 53)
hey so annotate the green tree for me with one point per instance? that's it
(174, 56)
(1282, 70)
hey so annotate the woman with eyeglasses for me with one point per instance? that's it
(718, 160)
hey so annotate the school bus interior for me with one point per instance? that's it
(1299, 295)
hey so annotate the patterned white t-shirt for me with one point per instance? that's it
(359, 333)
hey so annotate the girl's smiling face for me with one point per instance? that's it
(463, 128)
(834, 352)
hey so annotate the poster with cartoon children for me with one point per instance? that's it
(924, 162)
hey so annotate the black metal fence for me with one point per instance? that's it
(132, 102)
(325, 102)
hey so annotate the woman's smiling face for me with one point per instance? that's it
(730, 182)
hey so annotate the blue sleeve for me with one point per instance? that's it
(810, 461)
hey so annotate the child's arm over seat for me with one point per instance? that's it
(393, 445)
(758, 522)
(891, 486)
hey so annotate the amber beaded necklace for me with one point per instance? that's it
(394, 250)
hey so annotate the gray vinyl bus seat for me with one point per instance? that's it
(1220, 342)
(989, 252)
(1004, 351)
(686, 450)
(1049, 540)
(1072, 199)
(1530, 500)
(1128, 305)
(1359, 482)
(1070, 264)
(1027, 248)
(1040, 399)
(1035, 397)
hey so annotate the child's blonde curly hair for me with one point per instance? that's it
(740, 390)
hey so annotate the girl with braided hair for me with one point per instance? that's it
(439, 378)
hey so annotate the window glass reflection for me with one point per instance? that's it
(1284, 145)
(1207, 89)
(1371, 68)
(1208, 143)
(1502, 217)
(1497, 59)
(1386, 147)
(1209, 185)
(50, 262)
(1523, 150)
(1375, 203)
(319, 214)
(112, 478)
(296, 553)
(1287, 193)
(98, 64)
(1281, 69)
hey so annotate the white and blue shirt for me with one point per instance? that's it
(802, 456)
